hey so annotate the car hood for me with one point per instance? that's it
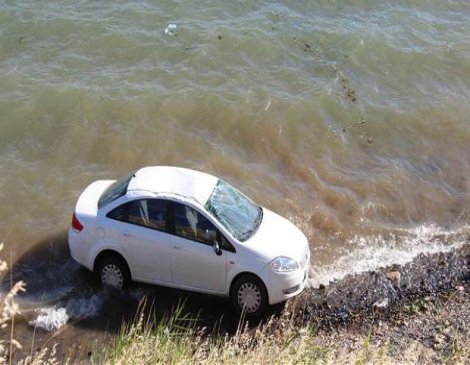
(276, 236)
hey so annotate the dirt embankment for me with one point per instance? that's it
(419, 312)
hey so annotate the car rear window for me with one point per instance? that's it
(114, 191)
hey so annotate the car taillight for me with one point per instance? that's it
(76, 225)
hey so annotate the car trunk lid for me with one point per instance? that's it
(87, 204)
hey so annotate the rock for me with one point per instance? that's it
(381, 304)
(447, 331)
(393, 276)
(439, 341)
(343, 315)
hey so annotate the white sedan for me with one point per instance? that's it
(190, 230)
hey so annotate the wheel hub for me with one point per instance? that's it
(111, 275)
(249, 297)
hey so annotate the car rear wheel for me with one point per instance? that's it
(249, 296)
(113, 272)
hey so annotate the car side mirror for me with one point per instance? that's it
(217, 249)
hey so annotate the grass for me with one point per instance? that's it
(8, 310)
(176, 340)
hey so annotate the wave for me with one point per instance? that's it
(373, 252)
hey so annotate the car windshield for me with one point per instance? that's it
(114, 191)
(237, 213)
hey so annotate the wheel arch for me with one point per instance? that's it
(106, 253)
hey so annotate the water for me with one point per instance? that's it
(351, 118)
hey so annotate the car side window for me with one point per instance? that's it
(191, 224)
(119, 213)
(157, 214)
(149, 213)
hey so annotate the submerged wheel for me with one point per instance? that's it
(249, 296)
(113, 272)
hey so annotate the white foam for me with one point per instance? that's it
(85, 307)
(371, 253)
(51, 318)
(54, 318)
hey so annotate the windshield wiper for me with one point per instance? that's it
(245, 235)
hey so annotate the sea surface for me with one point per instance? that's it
(351, 118)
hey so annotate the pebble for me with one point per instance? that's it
(381, 304)
(438, 341)
(393, 276)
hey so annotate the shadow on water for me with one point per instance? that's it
(54, 281)
(48, 271)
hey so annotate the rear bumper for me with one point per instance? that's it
(77, 249)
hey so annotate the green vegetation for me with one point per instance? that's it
(175, 340)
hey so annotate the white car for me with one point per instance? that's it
(190, 230)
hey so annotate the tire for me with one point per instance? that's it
(249, 296)
(114, 272)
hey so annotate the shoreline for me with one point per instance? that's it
(415, 313)
(377, 294)
(424, 304)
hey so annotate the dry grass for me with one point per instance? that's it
(8, 310)
(175, 340)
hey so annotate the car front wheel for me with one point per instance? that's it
(249, 296)
(114, 272)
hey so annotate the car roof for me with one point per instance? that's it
(174, 180)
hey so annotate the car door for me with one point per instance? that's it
(194, 263)
(144, 238)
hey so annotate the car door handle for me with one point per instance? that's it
(178, 247)
(126, 234)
